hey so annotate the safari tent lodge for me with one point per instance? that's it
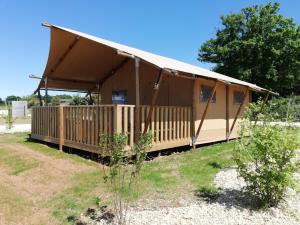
(137, 92)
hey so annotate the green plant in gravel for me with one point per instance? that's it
(9, 120)
(265, 155)
(124, 169)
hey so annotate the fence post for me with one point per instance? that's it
(117, 119)
(61, 127)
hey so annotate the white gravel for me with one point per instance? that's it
(16, 128)
(230, 208)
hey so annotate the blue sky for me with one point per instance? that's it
(171, 28)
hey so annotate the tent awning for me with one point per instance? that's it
(78, 61)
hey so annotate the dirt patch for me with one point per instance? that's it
(37, 185)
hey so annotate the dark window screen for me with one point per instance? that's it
(205, 93)
(119, 97)
(238, 97)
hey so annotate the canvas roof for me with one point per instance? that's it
(78, 61)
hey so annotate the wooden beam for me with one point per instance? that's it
(40, 98)
(113, 71)
(61, 127)
(205, 112)
(46, 90)
(61, 59)
(110, 74)
(154, 97)
(137, 99)
(194, 112)
(238, 111)
(73, 80)
(262, 107)
(98, 94)
(227, 112)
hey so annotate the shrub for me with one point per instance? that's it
(9, 120)
(265, 157)
(124, 168)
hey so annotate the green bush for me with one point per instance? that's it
(9, 120)
(124, 168)
(265, 157)
(281, 107)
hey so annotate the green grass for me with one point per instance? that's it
(197, 167)
(15, 163)
(12, 206)
(22, 138)
(167, 176)
(73, 201)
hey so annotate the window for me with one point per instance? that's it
(119, 97)
(238, 97)
(205, 94)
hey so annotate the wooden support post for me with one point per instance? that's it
(117, 119)
(46, 91)
(238, 111)
(61, 128)
(262, 107)
(98, 94)
(40, 98)
(205, 112)
(153, 101)
(137, 99)
(227, 112)
(91, 99)
(194, 113)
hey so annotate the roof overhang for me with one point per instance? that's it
(81, 62)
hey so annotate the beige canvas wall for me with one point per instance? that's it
(173, 90)
(178, 92)
(214, 126)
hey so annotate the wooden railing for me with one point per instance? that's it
(44, 121)
(168, 124)
(80, 126)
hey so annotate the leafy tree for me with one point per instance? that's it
(11, 98)
(55, 100)
(32, 100)
(64, 96)
(78, 100)
(1, 101)
(257, 45)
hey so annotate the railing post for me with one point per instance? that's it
(61, 127)
(117, 119)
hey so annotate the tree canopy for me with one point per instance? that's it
(258, 45)
(11, 98)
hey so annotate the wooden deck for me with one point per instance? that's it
(80, 126)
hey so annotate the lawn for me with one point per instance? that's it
(63, 185)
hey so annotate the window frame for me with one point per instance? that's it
(120, 92)
(205, 97)
(238, 100)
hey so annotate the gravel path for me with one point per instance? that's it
(229, 208)
(16, 128)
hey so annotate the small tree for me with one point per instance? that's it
(55, 101)
(8, 118)
(78, 100)
(124, 168)
(265, 157)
